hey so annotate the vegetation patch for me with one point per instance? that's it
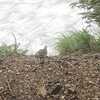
(78, 41)
(6, 50)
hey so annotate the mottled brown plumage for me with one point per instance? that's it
(42, 52)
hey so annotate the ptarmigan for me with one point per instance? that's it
(42, 52)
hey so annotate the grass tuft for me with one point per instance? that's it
(77, 41)
(6, 50)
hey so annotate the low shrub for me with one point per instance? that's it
(77, 41)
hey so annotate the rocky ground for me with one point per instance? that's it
(50, 78)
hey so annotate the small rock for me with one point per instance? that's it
(71, 90)
(1, 88)
(67, 85)
(10, 71)
(0, 71)
(62, 97)
(49, 69)
(1, 60)
(54, 88)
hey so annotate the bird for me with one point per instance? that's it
(42, 52)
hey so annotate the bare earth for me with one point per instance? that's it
(50, 78)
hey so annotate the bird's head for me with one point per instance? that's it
(45, 47)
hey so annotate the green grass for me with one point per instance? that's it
(13, 49)
(77, 41)
(6, 50)
(97, 44)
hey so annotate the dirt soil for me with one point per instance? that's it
(50, 78)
